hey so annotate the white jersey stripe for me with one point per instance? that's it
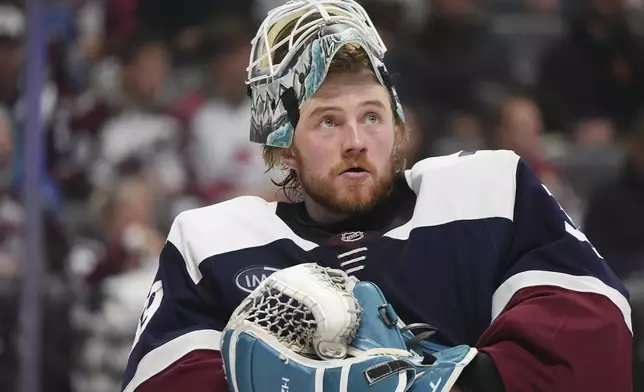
(345, 263)
(163, 356)
(349, 253)
(584, 284)
(227, 227)
(481, 186)
(354, 269)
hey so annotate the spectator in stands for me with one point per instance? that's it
(456, 66)
(615, 225)
(12, 34)
(518, 126)
(141, 135)
(127, 130)
(592, 79)
(58, 336)
(118, 282)
(615, 218)
(224, 162)
(462, 131)
(181, 22)
(12, 98)
(130, 227)
(12, 61)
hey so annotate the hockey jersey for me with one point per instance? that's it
(471, 243)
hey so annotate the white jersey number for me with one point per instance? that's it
(570, 225)
(152, 303)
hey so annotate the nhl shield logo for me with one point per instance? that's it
(352, 236)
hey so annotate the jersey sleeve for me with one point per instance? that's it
(176, 346)
(560, 317)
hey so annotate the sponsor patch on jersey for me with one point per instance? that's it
(248, 279)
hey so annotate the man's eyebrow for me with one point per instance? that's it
(321, 109)
(332, 108)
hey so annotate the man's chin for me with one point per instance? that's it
(353, 207)
(354, 184)
(354, 201)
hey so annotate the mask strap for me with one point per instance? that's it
(290, 104)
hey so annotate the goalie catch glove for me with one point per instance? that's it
(309, 328)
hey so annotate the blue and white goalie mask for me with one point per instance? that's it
(310, 33)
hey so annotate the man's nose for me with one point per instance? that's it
(354, 140)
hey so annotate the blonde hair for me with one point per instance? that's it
(349, 59)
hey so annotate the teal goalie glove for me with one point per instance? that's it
(313, 329)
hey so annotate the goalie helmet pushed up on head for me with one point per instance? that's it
(317, 29)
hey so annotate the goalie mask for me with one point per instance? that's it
(317, 29)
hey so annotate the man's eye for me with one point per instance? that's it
(372, 119)
(327, 123)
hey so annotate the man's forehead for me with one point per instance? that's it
(349, 90)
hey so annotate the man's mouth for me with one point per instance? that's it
(355, 169)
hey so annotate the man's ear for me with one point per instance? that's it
(288, 159)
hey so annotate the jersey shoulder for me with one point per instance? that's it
(466, 168)
(211, 216)
(475, 162)
(464, 186)
(240, 223)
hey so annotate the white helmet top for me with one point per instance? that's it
(318, 29)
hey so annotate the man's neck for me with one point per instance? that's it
(321, 214)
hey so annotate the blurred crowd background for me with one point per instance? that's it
(146, 115)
